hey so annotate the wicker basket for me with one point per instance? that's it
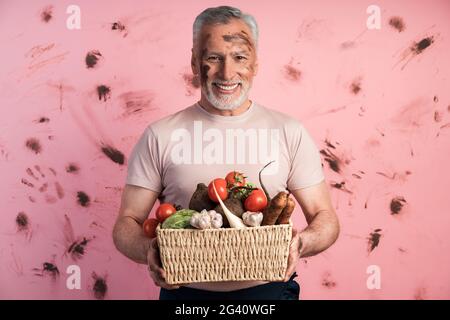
(225, 254)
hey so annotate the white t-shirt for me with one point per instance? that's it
(176, 153)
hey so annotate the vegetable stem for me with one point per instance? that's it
(242, 187)
(262, 184)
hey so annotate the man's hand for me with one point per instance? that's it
(294, 254)
(155, 267)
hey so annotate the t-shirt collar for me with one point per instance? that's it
(220, 118)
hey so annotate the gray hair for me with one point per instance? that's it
(222, 15)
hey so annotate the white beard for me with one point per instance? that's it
(227, 102)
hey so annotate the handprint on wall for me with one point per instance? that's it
(42, 184)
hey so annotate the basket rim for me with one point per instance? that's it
(274, 226)
(221, 230)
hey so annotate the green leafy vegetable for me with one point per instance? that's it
(179, 220)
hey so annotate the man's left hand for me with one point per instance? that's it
(294, 254)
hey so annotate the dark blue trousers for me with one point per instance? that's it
(289, 290)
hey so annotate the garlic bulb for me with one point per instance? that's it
(252, 219)
(206, 220)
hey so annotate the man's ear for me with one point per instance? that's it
(193, 65)
(255, 68)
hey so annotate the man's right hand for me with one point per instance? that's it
(155, 267)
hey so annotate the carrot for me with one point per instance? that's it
(287, 212)
(274, 209)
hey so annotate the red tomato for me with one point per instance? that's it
(221, 187)
(235, 179)
(256, 201)
(149, 227)
(164, 211)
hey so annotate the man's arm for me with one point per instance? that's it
(323, 225)
(128, 236)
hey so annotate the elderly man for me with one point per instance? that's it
(222, 132)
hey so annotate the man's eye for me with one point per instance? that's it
(213, 59)
(241, 58)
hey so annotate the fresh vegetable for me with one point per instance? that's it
(234, 205)
(287, 212)
(206, 220)
(179, 220)
(164, 211)
(235, 179)
(221, 187)
(242, 192)
(200, 199)
(149, 227)
(234, 221)
(216, 219)
(274, 209)
(252, 219)
(201, 220)
(275, 206)
(256, 201)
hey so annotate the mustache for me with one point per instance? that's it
(226, 83)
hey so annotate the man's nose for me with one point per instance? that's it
(227, 71)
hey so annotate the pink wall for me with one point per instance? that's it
(384, 108)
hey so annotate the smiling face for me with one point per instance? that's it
(225, 59)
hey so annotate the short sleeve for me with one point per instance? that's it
(306, 165)
(144, 164)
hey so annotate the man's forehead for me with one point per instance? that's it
(234, 26)
(236, 37)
